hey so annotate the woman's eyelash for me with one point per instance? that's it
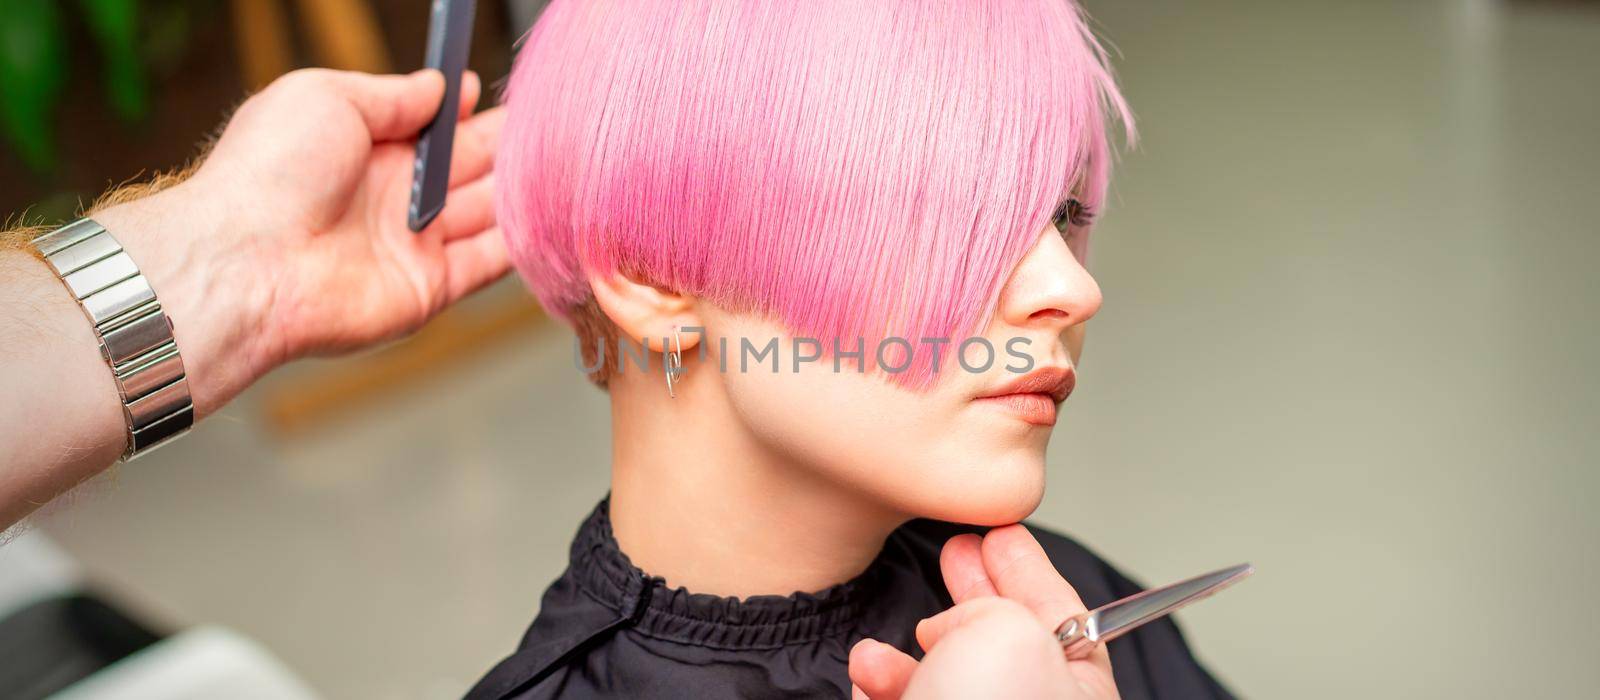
(1071, 213)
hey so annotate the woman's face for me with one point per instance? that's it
(970, 448)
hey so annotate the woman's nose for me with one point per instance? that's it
(1049, 288)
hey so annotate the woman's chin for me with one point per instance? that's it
(1002, 511)
(1003, 495)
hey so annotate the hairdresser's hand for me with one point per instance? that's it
(997, 640)
(291, 238)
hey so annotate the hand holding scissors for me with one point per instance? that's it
(997, 640)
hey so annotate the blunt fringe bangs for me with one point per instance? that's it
(848, 168)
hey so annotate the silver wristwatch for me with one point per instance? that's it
(135, 336)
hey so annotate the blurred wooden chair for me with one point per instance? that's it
(341, 34)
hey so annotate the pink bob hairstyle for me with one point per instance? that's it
(848, 168)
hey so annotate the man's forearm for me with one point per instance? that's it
(290, 239)
(61, 421)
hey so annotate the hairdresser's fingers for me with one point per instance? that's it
(1022, 572)
(469, 209)
(933, 629)
(476, 140)
(994, 648)
(393, 106)
(473, 262)
(961, 561)
(471, 90)
(879, 670)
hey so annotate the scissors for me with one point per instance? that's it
(1082, 633)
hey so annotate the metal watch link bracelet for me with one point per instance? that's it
(135, 335)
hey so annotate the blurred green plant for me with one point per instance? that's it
(114, 24)
(34, 63)
(33, 69)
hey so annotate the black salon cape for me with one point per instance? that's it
(606, 629)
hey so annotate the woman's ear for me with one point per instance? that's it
(644, 313)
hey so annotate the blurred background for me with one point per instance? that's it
(1348, 335)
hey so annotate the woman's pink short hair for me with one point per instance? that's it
(849, 168)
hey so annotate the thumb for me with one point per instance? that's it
(393, 106)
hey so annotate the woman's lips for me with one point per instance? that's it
(1035, 408)
(1033, 397)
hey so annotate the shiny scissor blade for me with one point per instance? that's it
(1115, 619)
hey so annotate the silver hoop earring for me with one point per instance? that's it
(674, 361)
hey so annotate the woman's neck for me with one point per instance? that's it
(696, 500)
